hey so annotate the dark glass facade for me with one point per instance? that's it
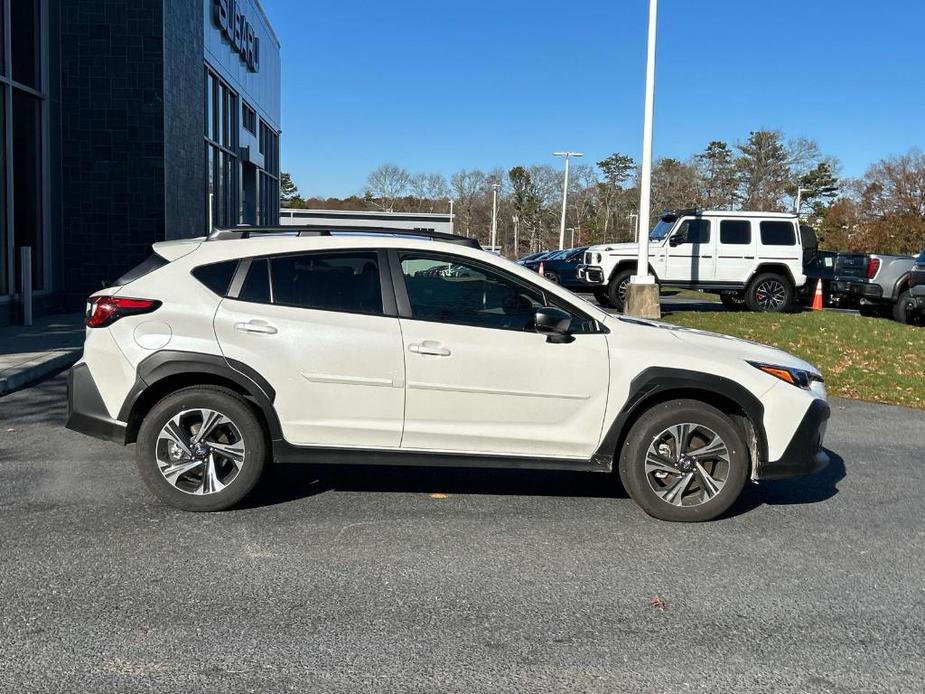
(124, 124)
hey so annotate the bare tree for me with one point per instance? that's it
(467, 187)
(385, 185)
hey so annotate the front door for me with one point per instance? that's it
(690, 252)
(317, 333)
(479, 378)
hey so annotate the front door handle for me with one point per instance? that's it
(429, 347)
(257, 327)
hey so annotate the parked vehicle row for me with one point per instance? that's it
(560, 267)
(220, 355)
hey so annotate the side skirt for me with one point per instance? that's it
(287, 453)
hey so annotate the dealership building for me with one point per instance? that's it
(126, 123)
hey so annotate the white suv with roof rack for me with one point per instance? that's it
(751, 259)
(220, 355)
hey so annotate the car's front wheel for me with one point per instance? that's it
(201, 449)
(684, 461)
(616, 290)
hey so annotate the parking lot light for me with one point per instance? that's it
(568, 156)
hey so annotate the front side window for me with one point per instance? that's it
(694, 231)
(778, 234)
(344, 282)
(448, 291)
(735, 232)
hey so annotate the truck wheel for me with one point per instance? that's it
(616, 290)
(603, 298)
(684, 461)
(733, 302)
(201, 449)
(900, 313)
(769, 293)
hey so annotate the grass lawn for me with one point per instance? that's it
(862, 358)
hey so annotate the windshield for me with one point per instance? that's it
(661, 230)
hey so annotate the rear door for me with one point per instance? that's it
(690, 252)
(321, 330)
(735, 250)
(480, 379)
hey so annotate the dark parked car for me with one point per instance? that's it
(560, 267)
(534, 256)
(915, 302)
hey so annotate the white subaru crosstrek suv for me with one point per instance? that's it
(753, 260)
(219, 355)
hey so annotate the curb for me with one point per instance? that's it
(38, 369)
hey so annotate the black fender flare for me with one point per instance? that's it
(654, 383)
(169, 363)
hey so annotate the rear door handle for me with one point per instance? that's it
(257, 327)
(430, 348)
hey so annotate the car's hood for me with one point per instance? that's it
(621, 248)
(725, 346)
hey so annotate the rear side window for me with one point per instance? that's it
(145, 267)
(778, 234)
(735, 232)
(346, 282)
(216, 276)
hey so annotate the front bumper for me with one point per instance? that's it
(857, 289)
(86, 412)
(804, 454)
(915, 302)
(591, 274)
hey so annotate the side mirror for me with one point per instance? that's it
(676, 240)
(554, 323)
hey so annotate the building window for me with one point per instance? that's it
(249, 118)
(268, 197)
(221, 136)
(22, 123)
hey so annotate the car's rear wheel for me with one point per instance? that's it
(684, 461)
(769, 293)
(616, 290)
(201, 449)
(900, 312)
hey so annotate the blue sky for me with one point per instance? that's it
(439, 86)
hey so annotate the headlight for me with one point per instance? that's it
(598, 258)
(795, 377)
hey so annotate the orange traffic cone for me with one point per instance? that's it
(542, 270)
(817, 298)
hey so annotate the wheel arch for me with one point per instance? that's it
(658, 385)
(166, 372)
(901, 285)
(775, 268)
(628, 264)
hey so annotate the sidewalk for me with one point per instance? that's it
(30, 354)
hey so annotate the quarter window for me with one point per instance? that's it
(448, 291)
(735, 232)
(778, 234)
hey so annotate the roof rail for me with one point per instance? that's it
(684, 212)
(245, 232)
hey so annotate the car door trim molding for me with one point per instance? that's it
(417, 385)
(351, 380)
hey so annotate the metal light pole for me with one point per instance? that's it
(516, 221)
(642, 294)
(452, 219)
(494, 214)
(568, 156)
(635, 222)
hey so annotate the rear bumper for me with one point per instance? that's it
(591, 274)
(86, 412)
(858, 289)
(804, 454)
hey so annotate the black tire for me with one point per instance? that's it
(602, 298)
(243, 423)
(616, 290)
(769, 293)
(641, 485)
(900, 313)
(552, 277)
(871, 310)
(733, 302)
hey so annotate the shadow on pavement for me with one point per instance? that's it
(290, 482)
(811, 489)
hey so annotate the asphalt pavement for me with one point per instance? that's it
(360, 579)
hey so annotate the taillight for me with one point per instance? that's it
(873, 265)
(106, 310)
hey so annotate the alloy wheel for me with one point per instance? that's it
(200, 451)
(770, 294)
(687, 464)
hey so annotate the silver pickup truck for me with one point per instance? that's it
(879, 282)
